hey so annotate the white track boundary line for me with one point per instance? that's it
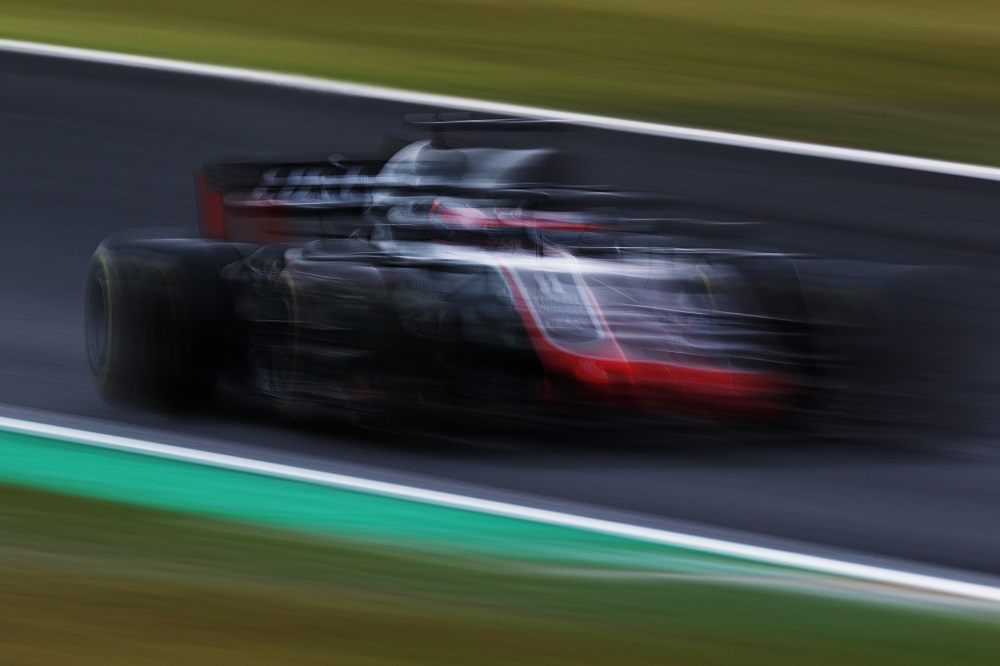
(396, 95)
(811, 563)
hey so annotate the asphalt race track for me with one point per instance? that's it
(88, 149)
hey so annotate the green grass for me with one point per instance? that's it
(911, 76)
(94, 582)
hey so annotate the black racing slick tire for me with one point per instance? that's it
(157, 319)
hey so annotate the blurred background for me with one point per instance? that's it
(88, 150)
(914, 76)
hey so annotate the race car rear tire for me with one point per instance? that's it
(157, 319)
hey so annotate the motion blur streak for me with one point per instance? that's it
(919, 483)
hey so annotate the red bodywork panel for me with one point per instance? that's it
(211, 210)
(246, 221)
(604, 370)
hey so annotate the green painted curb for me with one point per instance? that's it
(157, 482)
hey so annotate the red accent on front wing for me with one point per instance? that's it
(658, 386)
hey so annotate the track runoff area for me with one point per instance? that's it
(217, 485)
(190, 480)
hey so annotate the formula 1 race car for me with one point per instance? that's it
(451, 278)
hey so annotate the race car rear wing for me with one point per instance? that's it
(282, 201)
